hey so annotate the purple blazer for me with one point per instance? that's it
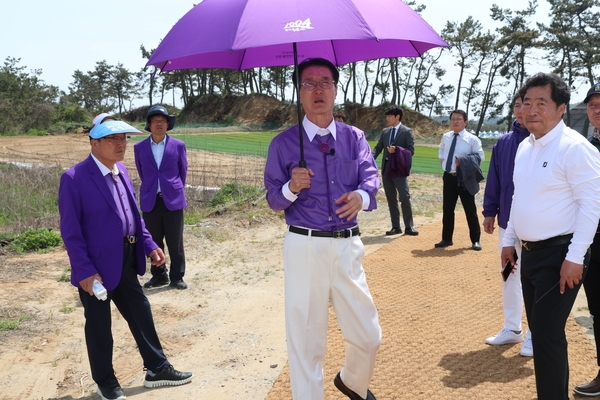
(172, 174)
(399, 164)
(91, 227)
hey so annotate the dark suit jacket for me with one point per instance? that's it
(172, 174)
(469, 172)
(404, 138)
(91, 227)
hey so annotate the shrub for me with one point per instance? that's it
(36, 132)
(36, 239)
(232, 192)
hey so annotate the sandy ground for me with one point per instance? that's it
(228, 327)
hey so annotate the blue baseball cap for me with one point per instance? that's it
(112, 128)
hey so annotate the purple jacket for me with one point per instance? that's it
(399, 164)
(499, 187)
(91, 227)
(172, 174)
(351, 167)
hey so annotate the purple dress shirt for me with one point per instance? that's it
(499, 187)
(350, 167)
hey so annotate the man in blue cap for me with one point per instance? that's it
(161, 162)
(106, 240)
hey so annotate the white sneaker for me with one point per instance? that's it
(527, 348)
(505, 336)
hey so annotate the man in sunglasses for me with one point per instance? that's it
(322, 252)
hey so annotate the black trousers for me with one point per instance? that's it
(132, 303)
(547, 312)
(591, 285)
(451, 193)
(394, 188)
(166, 225)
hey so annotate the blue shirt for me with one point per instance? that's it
(158, 150)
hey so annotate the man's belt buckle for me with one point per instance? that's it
(526, 246)
(338, 234)
(131, 239)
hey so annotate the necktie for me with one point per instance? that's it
(392, 136)
(450, 158)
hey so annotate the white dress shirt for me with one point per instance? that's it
(466, 143)
(557, 191)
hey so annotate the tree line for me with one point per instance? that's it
(491, 65)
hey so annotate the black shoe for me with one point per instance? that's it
(590, 389)
(157, 281)
(111, 393)
(394, 231)
(351, 394)
(411, 232)
(443, 243)
(167, 376)
(178, 284)
(476, 246)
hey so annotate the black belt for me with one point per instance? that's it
(542, 244)
(343, 234)
(130, 239)
(451, 173)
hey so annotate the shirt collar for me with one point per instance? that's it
(104, 169)
(312, 129)
(162, 142)
(398, 126)
(550, 136)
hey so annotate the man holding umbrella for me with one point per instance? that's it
(322, 251)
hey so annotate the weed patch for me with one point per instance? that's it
(36, 239)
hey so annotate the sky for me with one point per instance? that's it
(62, 36)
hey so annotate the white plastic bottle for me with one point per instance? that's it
(99, 290)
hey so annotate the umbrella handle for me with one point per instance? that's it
(302, 162)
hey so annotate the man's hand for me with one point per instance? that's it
(157, 256)
(488, 224)
(508, 254)
(391, 149)
(570, 274)
(88, 283)
(353, 204)
(300, 179)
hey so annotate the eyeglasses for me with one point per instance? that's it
(309, 86)
(116, 139)
(457, 119)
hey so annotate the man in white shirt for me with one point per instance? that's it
(555, 213)
(591, 284)
(458, 143)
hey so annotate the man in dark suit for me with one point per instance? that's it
(162, 165)
(106, 240)
(394, 135)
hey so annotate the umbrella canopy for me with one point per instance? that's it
(241, 34)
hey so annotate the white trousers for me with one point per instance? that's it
(319, 270)
(512, 295)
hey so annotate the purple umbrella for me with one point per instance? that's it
(241, 34)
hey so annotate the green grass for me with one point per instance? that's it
(425, 159)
